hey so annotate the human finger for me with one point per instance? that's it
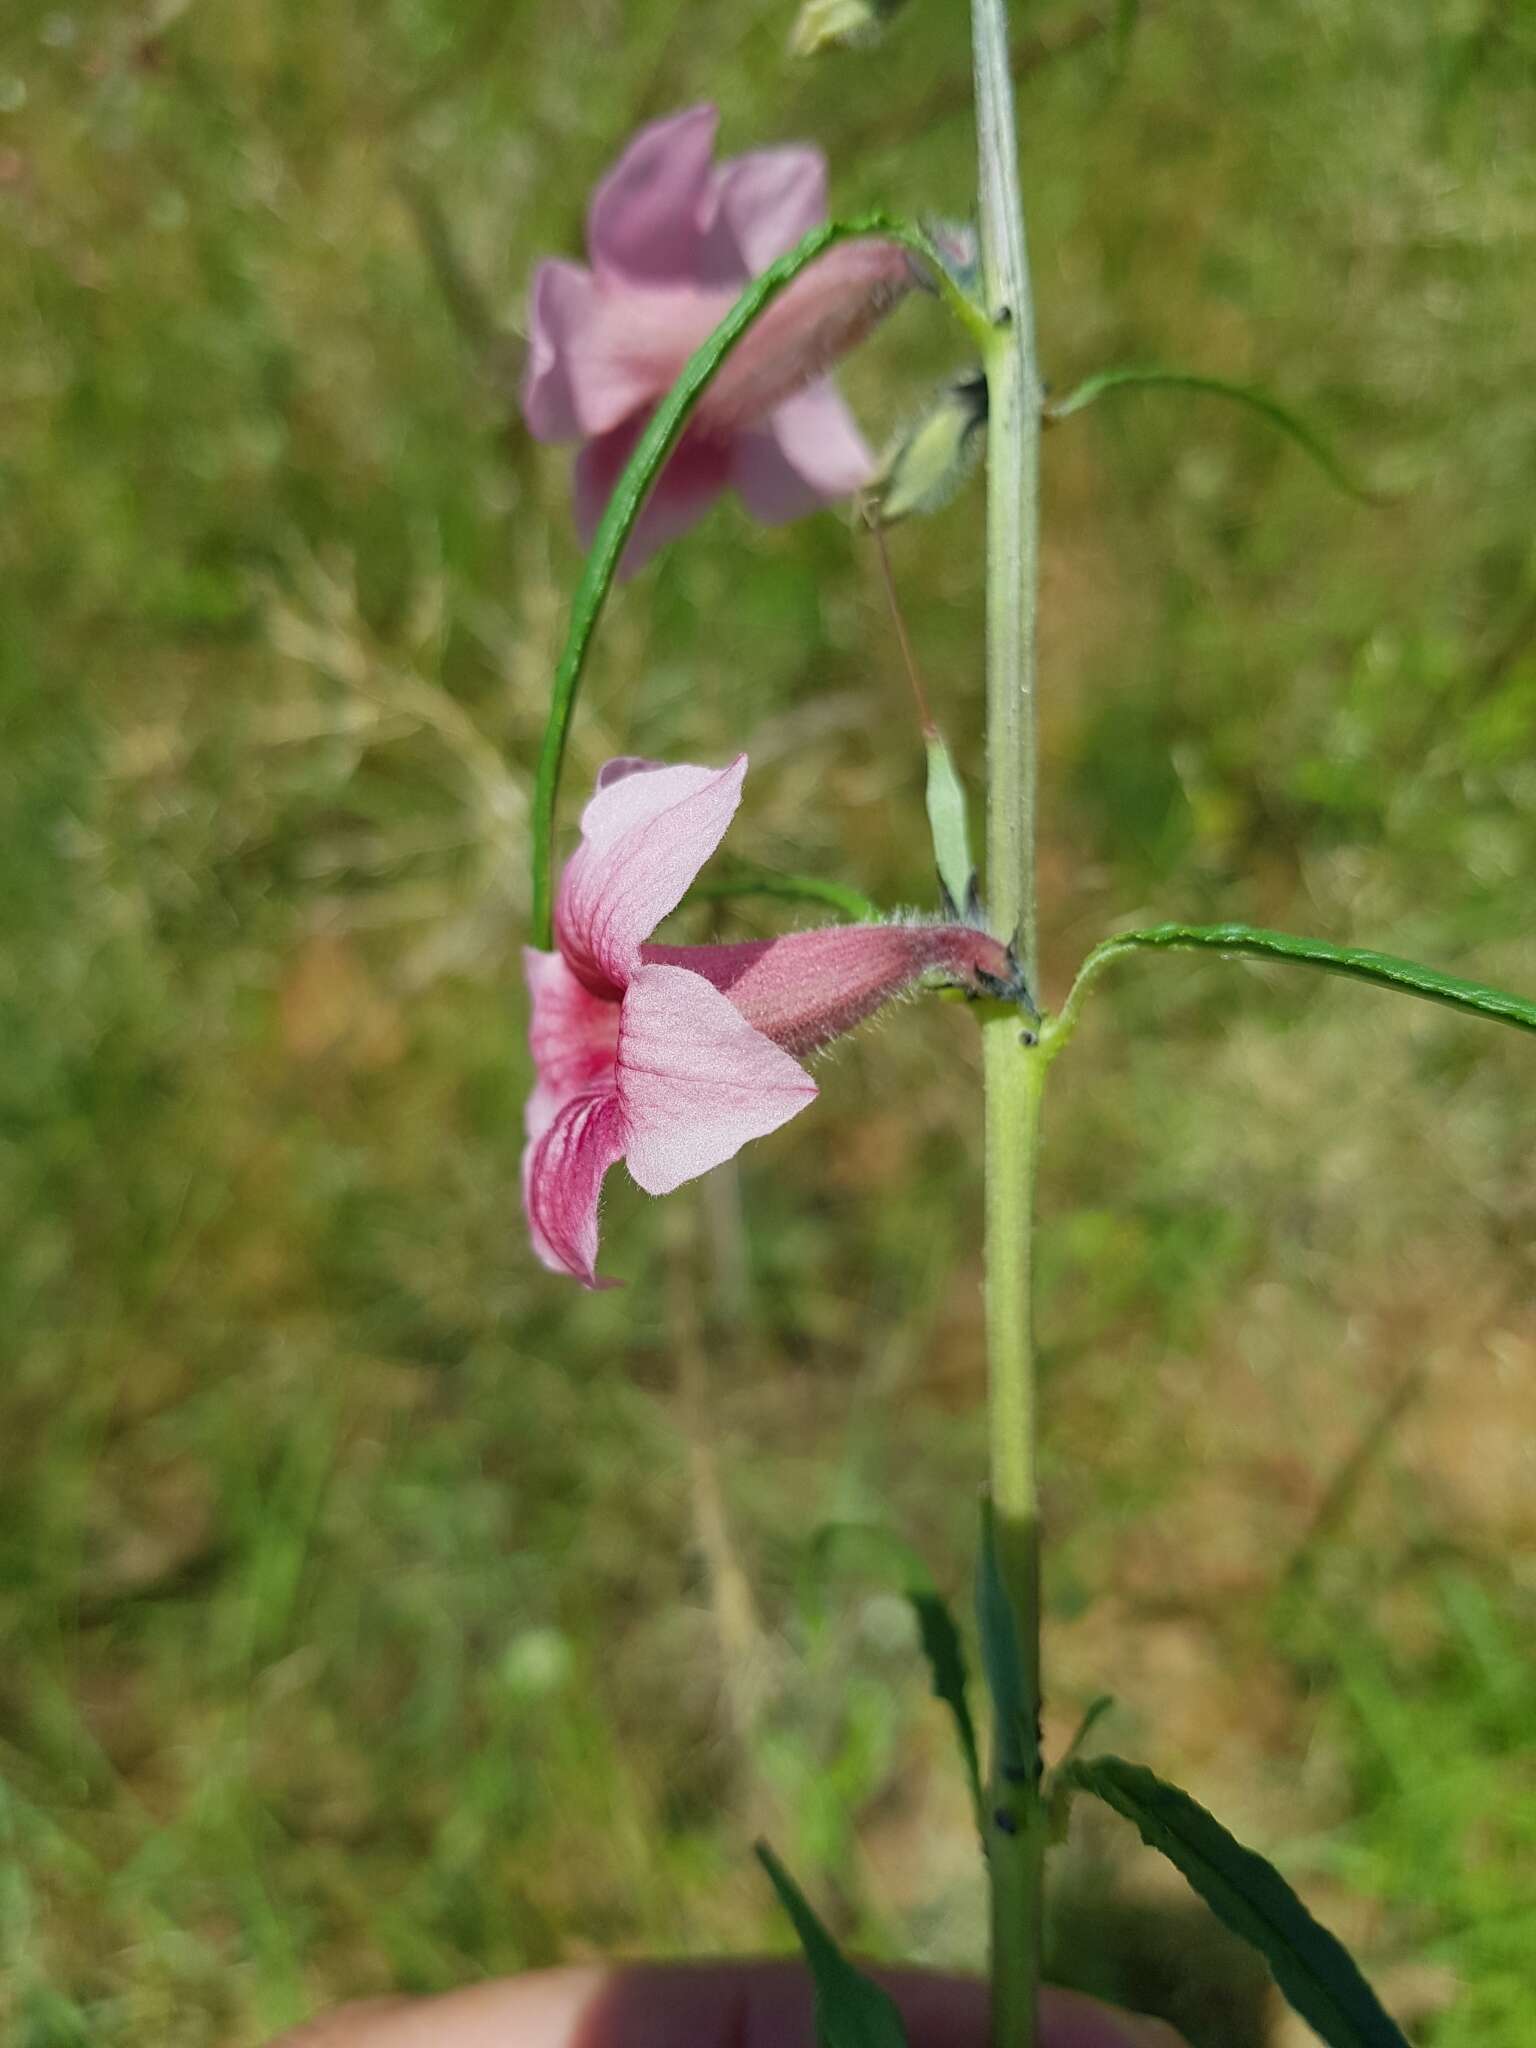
(729, 2005)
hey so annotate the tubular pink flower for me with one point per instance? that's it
(672, 1057)
(672, 237)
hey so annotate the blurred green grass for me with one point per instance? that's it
(365, 1619)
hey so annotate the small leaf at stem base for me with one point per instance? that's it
(851, 2012)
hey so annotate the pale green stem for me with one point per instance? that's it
(1014, 1069)
(1013, 468)
(1016, 1830)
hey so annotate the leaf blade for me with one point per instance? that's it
(1249, 395)
(1357, 963)
(1311, 1966)
(851, 2011)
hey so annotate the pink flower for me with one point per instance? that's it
(672, 238)
(672, 1057)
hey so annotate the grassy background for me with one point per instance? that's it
(376, 1610)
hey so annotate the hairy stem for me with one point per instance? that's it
(1013, 517)
(1014, 1069)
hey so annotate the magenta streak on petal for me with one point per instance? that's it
(563, 1174)
(807, 988)
(573, 1035)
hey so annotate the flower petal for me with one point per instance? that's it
(808, 452)
(646, 217)
(803, 333)
(626, 764)
(695, 1080)
(696, 473)
(643, 839)
(601, 350)
(762, 203)
(563, 1172)
(560, 303)
(573, 1034)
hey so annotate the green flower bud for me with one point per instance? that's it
(925, 466)
(839, 25)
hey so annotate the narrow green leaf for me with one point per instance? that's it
(1312, 1968)
(1250, 395)
(661, 435)
(851, 2012)
(1382, 970)
(948, 823)
(1059, 1782)
(742, 880)
(879, 1554)
(1093, 1714)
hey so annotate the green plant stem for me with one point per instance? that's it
(1014, 1070)
(1013, 516)
(1016, 1830)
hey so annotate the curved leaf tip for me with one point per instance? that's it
(1250, 395)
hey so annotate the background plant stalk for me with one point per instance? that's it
(1014, 1071)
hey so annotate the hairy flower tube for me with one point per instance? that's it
(672, 238)
(672, 1057)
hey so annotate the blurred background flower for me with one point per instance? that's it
(672, 239)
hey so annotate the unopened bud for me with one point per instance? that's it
(839, 25)
(958, 247)
(949, 824)
(925, 467)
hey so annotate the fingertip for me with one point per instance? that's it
(1071, 2019)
